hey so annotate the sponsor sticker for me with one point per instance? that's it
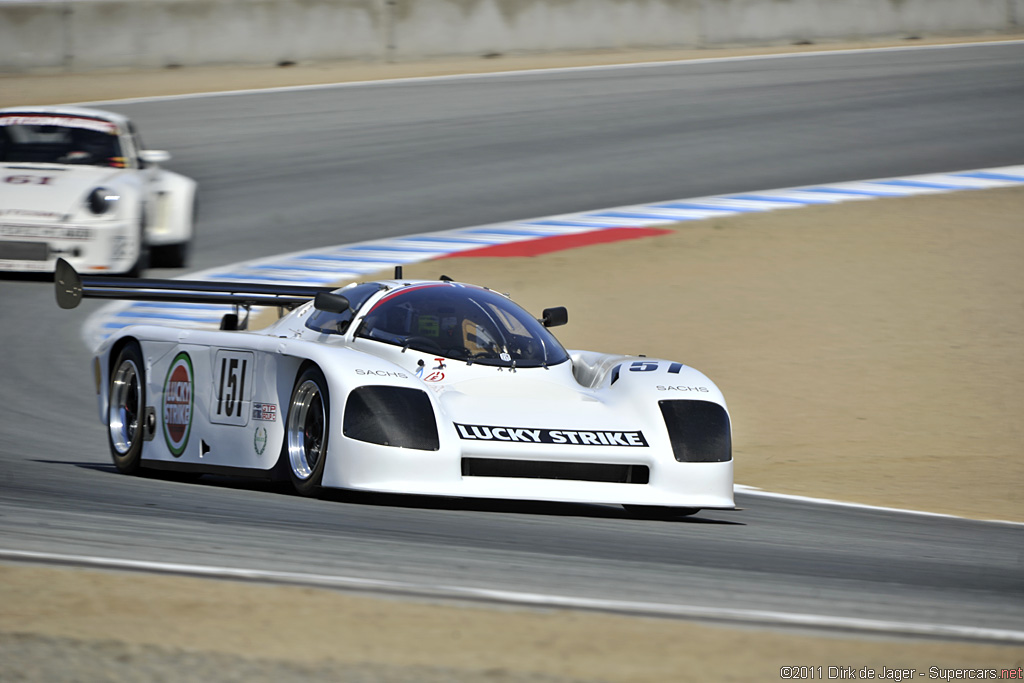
(259, 440)
(46, 232)
(381, 373)
(61, 121)
(264, 411)
(31, 213)
(177, 403)
(573, 437)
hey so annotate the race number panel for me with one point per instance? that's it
(232, 387)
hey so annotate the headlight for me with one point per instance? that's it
(101, 200)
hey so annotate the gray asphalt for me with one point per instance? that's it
(284, 171)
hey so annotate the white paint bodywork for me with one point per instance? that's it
(45, 203)
(584, 394)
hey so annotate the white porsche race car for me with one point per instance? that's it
(417, 387)
(76, 184)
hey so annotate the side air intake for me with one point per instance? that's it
(699, 430)
(391, 416)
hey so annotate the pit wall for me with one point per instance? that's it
(82, 35)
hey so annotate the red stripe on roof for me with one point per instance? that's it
(407, 288)
(546, 245)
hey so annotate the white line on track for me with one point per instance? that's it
(538, 600)
(413, 80)
(755, 491)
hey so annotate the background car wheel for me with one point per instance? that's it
(171, 255)
(659, 512)
(126, 409)
(144, 252)
(307, 429)
(141, 265)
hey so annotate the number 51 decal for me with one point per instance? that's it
(232, 388)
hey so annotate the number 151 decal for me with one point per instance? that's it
(647, 366)
(232, 388)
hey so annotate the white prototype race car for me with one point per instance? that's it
(415, 387)
(76, 184)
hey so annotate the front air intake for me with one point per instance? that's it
(699, 430)
(391, 416)
(572, 471)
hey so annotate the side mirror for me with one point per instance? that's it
(331, 303)
(68, 283)
(154, 156)
(553, 317)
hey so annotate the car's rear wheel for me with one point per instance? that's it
(659, 512)
(307, 430)
(126, 409)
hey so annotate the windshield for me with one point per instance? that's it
(54, 139)
(462, 322)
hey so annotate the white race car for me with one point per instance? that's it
(419, 387)
(76, 184)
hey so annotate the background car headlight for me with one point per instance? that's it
(101, 201)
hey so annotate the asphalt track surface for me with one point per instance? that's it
(300, 169)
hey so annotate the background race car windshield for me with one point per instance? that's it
(59, 140)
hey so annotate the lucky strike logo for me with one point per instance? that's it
(177, 404)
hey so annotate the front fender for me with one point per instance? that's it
(172, 211)
(639, 377)
(392, 411)
(690, 408)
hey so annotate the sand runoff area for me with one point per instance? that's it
(870, 352)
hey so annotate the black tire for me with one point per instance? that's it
(142, 263)
(659, 512)
(307, 428)
(126, 408)
(171, 255)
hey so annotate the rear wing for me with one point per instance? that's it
(72, 288)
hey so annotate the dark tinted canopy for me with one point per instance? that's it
(461, 322)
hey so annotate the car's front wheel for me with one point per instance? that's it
(307, 429)
(126, 409)
(171, 255)
(144, 251)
